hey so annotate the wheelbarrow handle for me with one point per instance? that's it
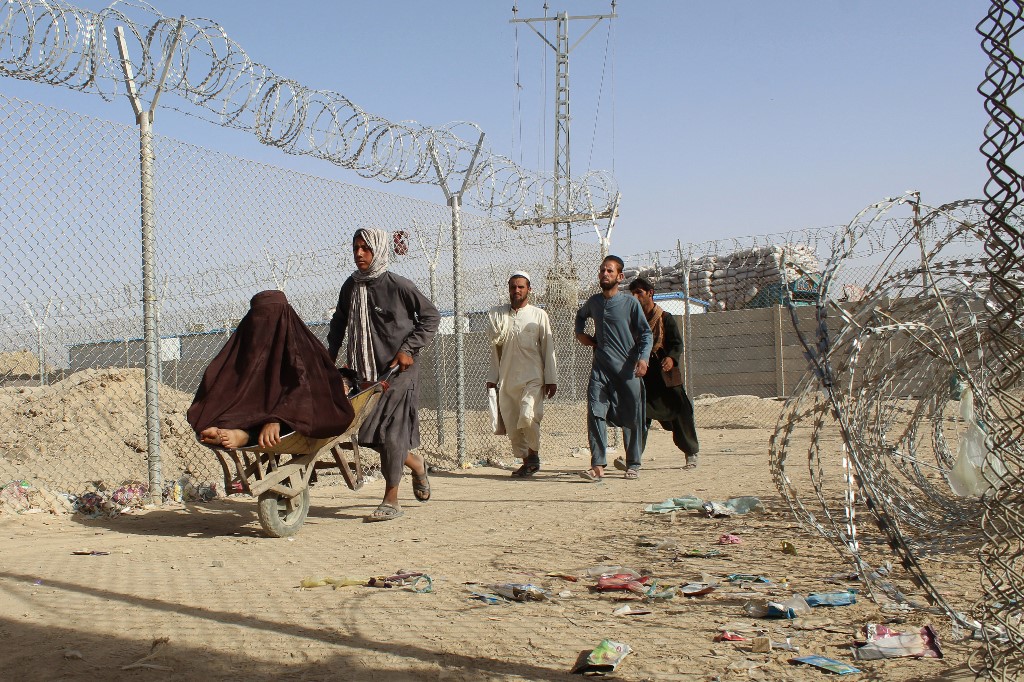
(390, 373)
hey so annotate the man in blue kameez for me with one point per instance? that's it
(622, 346)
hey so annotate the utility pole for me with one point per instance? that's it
(561, 200)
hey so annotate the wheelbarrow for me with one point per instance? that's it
(279, 476)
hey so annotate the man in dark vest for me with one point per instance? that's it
(666, 398)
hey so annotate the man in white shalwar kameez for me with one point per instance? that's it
(522, 370)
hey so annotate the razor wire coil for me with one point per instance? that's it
(880, 392)
(67, 46)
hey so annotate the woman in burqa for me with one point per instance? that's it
(272, 377)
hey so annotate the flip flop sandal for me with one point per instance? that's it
(526, 470)
(591, 476)
(421, 485)
(384, 512)
(631, 474)
(691, 462)
(620, 464)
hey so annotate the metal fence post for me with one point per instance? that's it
(435, 357)
(460, 342)
(435, 360)
(687, 365)
(144, 117)
(152, 335)
(455, 201)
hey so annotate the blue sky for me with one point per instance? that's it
(720, 119)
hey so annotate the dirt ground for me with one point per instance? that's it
(228, 603)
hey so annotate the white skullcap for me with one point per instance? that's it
(519, 273)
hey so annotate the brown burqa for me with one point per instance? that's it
(272, 369)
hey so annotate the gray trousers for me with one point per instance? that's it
(597, 434)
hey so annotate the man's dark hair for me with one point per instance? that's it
(615, 259)
(643, 284)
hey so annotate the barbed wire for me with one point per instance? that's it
(1003, 576)
(67, 46)
(891, 370)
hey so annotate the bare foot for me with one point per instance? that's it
(233, 438)
(210, 435)
(270, 435)
(417, 464)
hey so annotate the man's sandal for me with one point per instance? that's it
(632, 474)
(384, 512)
(421, 485)
(620, 464)
(526, 470)
(589, 475)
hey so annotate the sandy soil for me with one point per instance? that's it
(229, 604)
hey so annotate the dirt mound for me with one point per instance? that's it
(88, 431)
(20, 362)
(737, 412)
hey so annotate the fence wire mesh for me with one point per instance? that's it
(229, 227)
(73, 387)
(1002, 555)
(73, 351)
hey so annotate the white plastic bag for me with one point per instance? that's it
(497, 425)
(967, 479)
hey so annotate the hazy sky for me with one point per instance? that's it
(719, 119)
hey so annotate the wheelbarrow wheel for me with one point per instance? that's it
(281, 516)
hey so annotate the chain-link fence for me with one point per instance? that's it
(73, 354)
(73, 395)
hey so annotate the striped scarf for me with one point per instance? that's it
(657, 323)
(360, 356)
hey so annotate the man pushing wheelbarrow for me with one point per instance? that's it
(273, 390)
(387, 321)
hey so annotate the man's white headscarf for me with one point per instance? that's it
(360, 356)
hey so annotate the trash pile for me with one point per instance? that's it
(731, 507)
(777, 618)
(414, 581)
(23, 497)
(778, 613)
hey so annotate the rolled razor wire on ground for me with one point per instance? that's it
(63, 45)
(886, 411)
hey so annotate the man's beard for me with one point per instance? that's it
(609, 286)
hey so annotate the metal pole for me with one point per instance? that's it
(145, 120)
(144, 117)
(455, 201)
(460, 342)
(42, 357)
(40, 326)
(435, 356)
(925, 282)
(687, 378)
(435, 360)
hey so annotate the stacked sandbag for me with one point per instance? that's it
(732, 281)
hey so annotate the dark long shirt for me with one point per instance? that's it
(401, 318)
